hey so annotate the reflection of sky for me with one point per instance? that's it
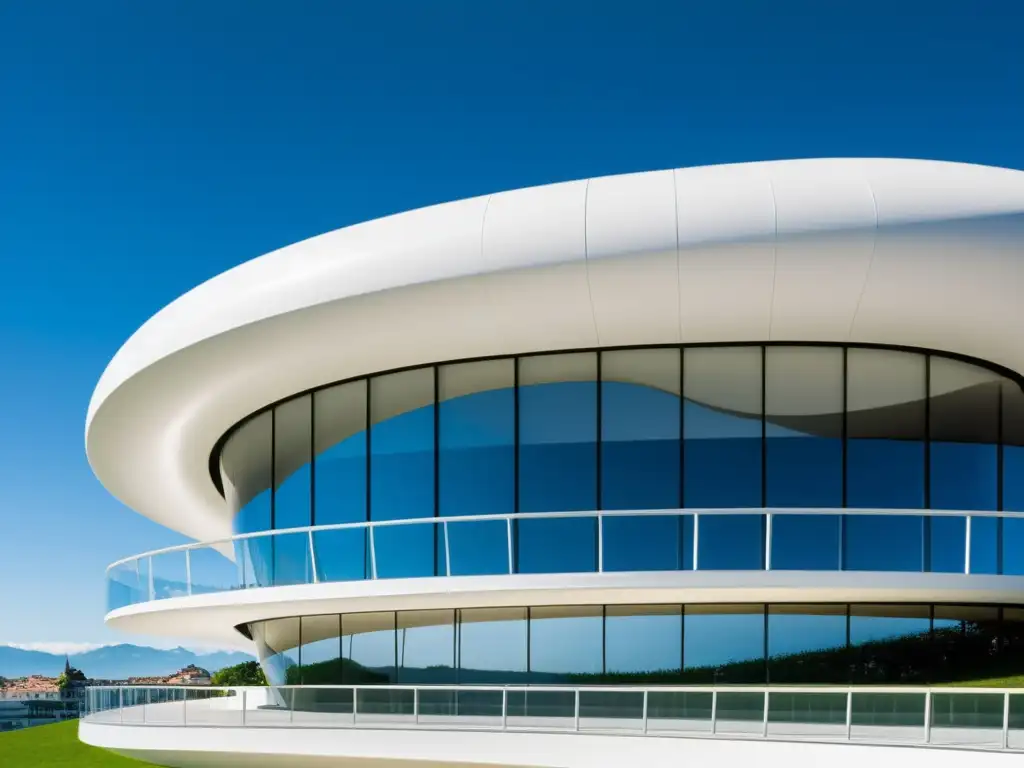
(640, 462)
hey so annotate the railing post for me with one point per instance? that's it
(244, 695)
(312, 558)
(373, 556)
(291, 707)
(152, 587)
(696, 541)
(849, 714)
(184, 705)
(120, 704)
(355, 703)
(714, 712)
(504, 709)
(600, 543)
(1006, 720)
(928, 717)
(645, 711)
(149, 693)
(508, 521)
(447, 552)
(576, 710)
(967, 545)
(416, 705)
(768, 543)
(764, 725)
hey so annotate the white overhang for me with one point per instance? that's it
(911, 253)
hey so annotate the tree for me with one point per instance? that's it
(246, 673)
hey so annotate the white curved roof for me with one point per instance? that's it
(908, 252)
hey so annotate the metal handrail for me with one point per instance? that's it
(103, 699)
(211, 543)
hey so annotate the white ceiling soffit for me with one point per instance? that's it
(906, 252)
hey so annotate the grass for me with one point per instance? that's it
(57, 746)
(1014, 681)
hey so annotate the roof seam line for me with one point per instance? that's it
(871, 262)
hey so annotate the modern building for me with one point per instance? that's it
(564, 475)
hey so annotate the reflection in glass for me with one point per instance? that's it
(807, 644)
(885, 429)
(426, 647)
(476, 462)
(884, 542)
(806, 542)
(724, 644)
(804, 426)
(965, 643)
(293, 442)
(402, 470)
(946, 543)
(492, 646)
(889, 643)
(730, 542)
(722, 428)
(557, 462)
(643, 644)
(246, 472)
(565, 642)
(640, 457)
(277, 645)
(985, 535)
(964, 424)
(320, 652)
(369, 647)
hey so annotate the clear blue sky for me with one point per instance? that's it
(147, 146)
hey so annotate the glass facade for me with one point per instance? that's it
(647, 644)
(702, 427)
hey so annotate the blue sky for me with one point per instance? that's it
(145, 147)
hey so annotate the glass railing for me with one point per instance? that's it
(960, 717)
(933, 541)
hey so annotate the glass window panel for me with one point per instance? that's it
(643, 644)
(476, 463)
(806, 542)
(342, 555)
(648, 543)
(492, 646)
(169, 575)
(948, 544)
(1012, 545)
(807, 644)
(640, 429)
(369, 648)
(964, 413)
(246, 472)
(724, 644)
(733, 542)
(890, 643)
(566, 644)
(557, 462)
(426, 647)
(885, 429)
(277, 645)
(1013, 446)
(339, 415)
(320, 653)
(884, 542)
(985, 535)
(293, 441)
(722, 427)
(211, 571)
(804, 426)
(965, 643)
(402, 471)
(478, 548)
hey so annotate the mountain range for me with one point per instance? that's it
(114, 662)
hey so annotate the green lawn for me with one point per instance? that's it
(53, 746)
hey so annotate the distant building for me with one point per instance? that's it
(190, 675)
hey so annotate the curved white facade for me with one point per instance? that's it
(803, 281)
(913, 253)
